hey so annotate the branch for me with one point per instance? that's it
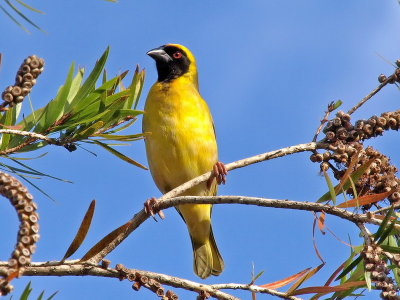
(34, 135)
(252, 288)
(142, 216)
(68, 269)
(390, 79)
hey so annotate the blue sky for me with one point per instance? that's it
(267, 69)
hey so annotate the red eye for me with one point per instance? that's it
(177, 55)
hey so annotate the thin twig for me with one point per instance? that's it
(324, 120)
(141, 216)
(370, 95)
(252, 288)
(34, 135)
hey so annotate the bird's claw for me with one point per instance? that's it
(219, 172)
(149, 209)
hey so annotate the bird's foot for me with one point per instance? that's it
(149, 209)
(219, 172)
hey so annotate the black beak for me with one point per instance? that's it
(159, 55)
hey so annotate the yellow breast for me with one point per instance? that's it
(180, 138)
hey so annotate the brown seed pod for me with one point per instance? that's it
(382, 78)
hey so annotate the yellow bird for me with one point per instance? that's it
(180, 145)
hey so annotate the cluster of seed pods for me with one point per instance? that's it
(29, 70)
(28, 233)
(379, 272)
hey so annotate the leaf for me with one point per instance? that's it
(55, 109)
(277, 284)
(52, 295)
(303, 278)
(350, 267)
(337, 104)
(367, 276)
(25, 294)
(120, 155)
(386, 232)
(331, 188)
(87, 87)
(82, 231)
(89, 131)
(40, 296)
(29, 7)
(328, 289)
(104, 242)
(385, 221)
(14, 20)
(22, 15)
(314, 241)
(8, 121)
(345, 182)
(321, 222)
(364, 200)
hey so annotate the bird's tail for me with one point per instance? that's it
(207, 259)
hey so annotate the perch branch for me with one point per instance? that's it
(73, 269)
(141, 216)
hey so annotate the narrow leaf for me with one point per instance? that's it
(350, 267)
(87, 87)
(120, 155)
(29, 7)
(331, 188)
(385, 221)
(305, 277)
(14, 20)
(364, 200)
(367, 276)
(277, 284)
(345, 183)
(82, 231)
(22, 15)
(328, 289)
(104, 242)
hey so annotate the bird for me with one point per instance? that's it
(181, 145)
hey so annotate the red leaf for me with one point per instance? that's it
(328, 289)
(285, 281)
(364, 200)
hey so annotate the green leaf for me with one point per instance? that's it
(40, 296)
(125, 138)
(13, 19)
(86, 132)
(25, 294)
(385, 221)
(331, 188)
(52, 296)
(22, 15)
(36, 172)
(120, 155)
(8, 121)
(337, 104)
(350, 267)
(90, 82)
(354, 176)
(386, 232)
(29, 7)
(75, 85)
(55, 109)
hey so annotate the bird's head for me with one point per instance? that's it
(174, 61)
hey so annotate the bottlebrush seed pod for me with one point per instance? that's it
(382, 78)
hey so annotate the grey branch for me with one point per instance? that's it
(28, 133)
(71, 268)
(141, 216)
